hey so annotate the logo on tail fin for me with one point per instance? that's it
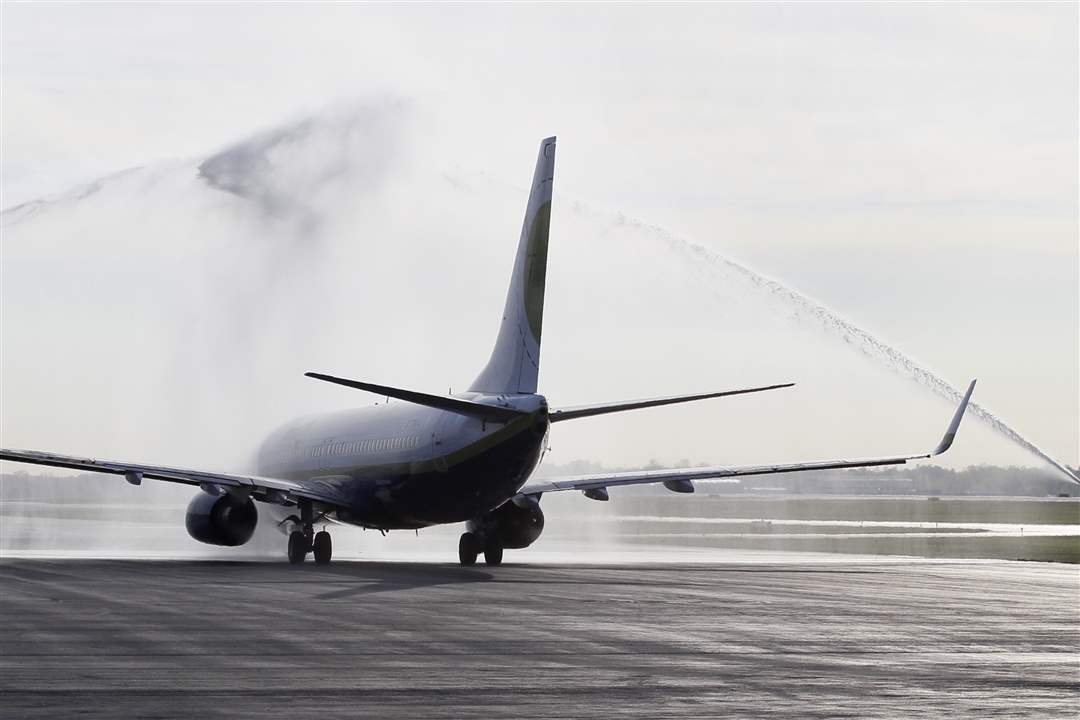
(536, 269)
(515, 361)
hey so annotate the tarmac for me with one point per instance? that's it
(807, 639)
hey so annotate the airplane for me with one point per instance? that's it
(435, 459)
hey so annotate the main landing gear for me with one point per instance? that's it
(306, 540)
(471, 545)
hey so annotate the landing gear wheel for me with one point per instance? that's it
(467, 550)
(298, 547)
(493, 554)
(322, 548)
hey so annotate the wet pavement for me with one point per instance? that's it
(843, 638)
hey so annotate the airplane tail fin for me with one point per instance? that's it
(515, 361)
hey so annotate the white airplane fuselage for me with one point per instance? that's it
(407, 466)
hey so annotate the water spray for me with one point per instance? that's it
(835, 324)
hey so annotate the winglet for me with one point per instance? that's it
(950, 434)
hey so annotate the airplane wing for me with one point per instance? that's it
(272, 490)
(595, 486)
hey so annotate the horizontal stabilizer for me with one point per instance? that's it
(580, 411)
(442, 402)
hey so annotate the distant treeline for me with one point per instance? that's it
(902, 480)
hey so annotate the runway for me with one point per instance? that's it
(841, 638)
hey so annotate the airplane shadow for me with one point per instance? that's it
(332, 582)
(350, 579)
(369, 578)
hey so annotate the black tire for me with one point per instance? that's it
(322, 548)
(493, 553)
(466, 549)
(298, 547)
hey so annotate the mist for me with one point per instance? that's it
(203, 289)
(876, 209)
(166, 314)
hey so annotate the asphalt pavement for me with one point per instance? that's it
(154, 638)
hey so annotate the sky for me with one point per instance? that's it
(912, 166)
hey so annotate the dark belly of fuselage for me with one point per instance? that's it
(460, 491)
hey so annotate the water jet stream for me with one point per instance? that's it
(833, 323)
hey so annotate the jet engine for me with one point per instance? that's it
(513, 526)
(221, 519)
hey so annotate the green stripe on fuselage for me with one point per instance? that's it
(441, 463)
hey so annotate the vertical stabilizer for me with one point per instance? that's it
(515, 361)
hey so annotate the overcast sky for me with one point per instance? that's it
(913, 166)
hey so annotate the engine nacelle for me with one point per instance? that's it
(513, 526)
(221, 519)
